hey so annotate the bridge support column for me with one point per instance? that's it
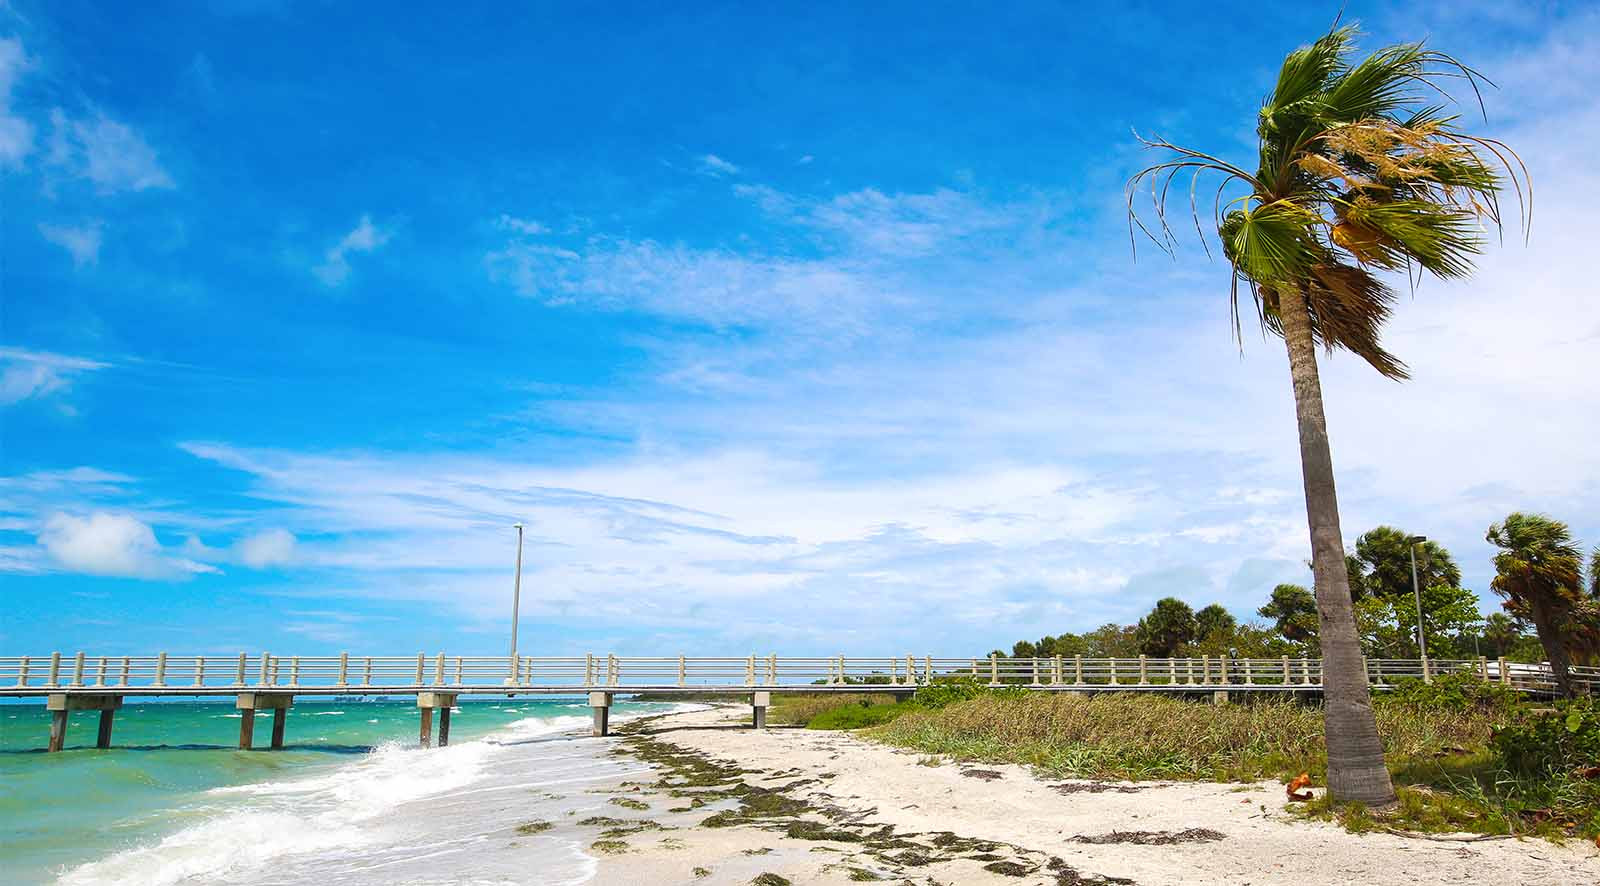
(1219, 697)
(250, 702)
(600, 705)
(759, 702)
(426, 703)
(61, 705)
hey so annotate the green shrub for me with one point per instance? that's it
(1450, 692)
(948, 692)
(800, 709)
(857, 716)
(1555, 741)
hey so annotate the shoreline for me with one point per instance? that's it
(730, 805)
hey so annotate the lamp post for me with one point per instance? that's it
(516, 603)
(1416, 591)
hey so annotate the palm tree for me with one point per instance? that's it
(1358, 174)
(1539, 572)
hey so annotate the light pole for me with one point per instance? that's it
(516, 603)
(1416, 590)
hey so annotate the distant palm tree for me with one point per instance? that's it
(1539, 572)
(1358, 174)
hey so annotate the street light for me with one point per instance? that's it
(1416, 590)
(516, 596)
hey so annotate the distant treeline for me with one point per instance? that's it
(1385, 607)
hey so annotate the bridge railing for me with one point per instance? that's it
(170, 674)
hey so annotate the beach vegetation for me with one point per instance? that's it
(1360, 174)
(1466, 755)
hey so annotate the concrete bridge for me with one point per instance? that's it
(263, 681)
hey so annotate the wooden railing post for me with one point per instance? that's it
(55, 669)
(1222, 670)
(1055, 673)
(200, 671)
(1188, 666)
(161, 669)
(460, 669)
(438, 670)
(1077, 670)
(1305, 671)
(1113, 663)
(772, 669)
(366, 671)
(1172, 672)
(294, 671)
(239, 678)
(422, 664)
(344, 669)
(1249, 675)
(100, 673)
(1205, 669)
(588, 669)
(1505, 672)
(266, 667)
(911, 670)
(683, 671)
(994, 669)
(1144, 674)
(1286, 675)
(927, 669)
(1035, 670)
(750, 671)
(77, 669)
(22, 674)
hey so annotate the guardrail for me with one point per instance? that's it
(164, 674)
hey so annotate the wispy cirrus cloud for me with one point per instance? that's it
(27, 374)
(16, 132)
(365, 237)
(82, 241)
(110, 154)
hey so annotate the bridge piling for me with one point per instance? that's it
(759, 702)
(427, 703)
(248, 703)
(61, 705)
(600, 707)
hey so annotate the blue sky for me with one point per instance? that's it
(807, 332)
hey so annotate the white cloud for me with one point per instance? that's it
(26, 374)
(273, 547)
(108, 153)
(711, 164)
(16, 133)
(520, 225)
(82, 241)
(363, 238)
(112, 544)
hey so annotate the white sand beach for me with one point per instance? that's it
(883, 813)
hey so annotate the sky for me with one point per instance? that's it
(784, 330)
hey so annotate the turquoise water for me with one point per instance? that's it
(156, 807)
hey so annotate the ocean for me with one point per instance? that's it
(351, 799)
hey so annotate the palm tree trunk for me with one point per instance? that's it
(1355, 754)
(1554, 645)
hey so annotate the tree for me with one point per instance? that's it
(1538, 573)
(1023, 649)
(1294, 612)
(1169, 625)
(1360, 172)
(1215, 622)
(1384, 556)
(1500, 633)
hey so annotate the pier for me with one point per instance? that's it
(268, 682)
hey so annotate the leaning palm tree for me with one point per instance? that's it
(1539, 572)
(1361, 172)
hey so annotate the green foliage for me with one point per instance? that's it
(801, 709)
(1451, 692)
(946, 692)
(1293, 610)
(1383, 555)
(1552, 742)
(1214, 621)
(1169, 625)
(857, 716)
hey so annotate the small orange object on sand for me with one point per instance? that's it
(1303, 780)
